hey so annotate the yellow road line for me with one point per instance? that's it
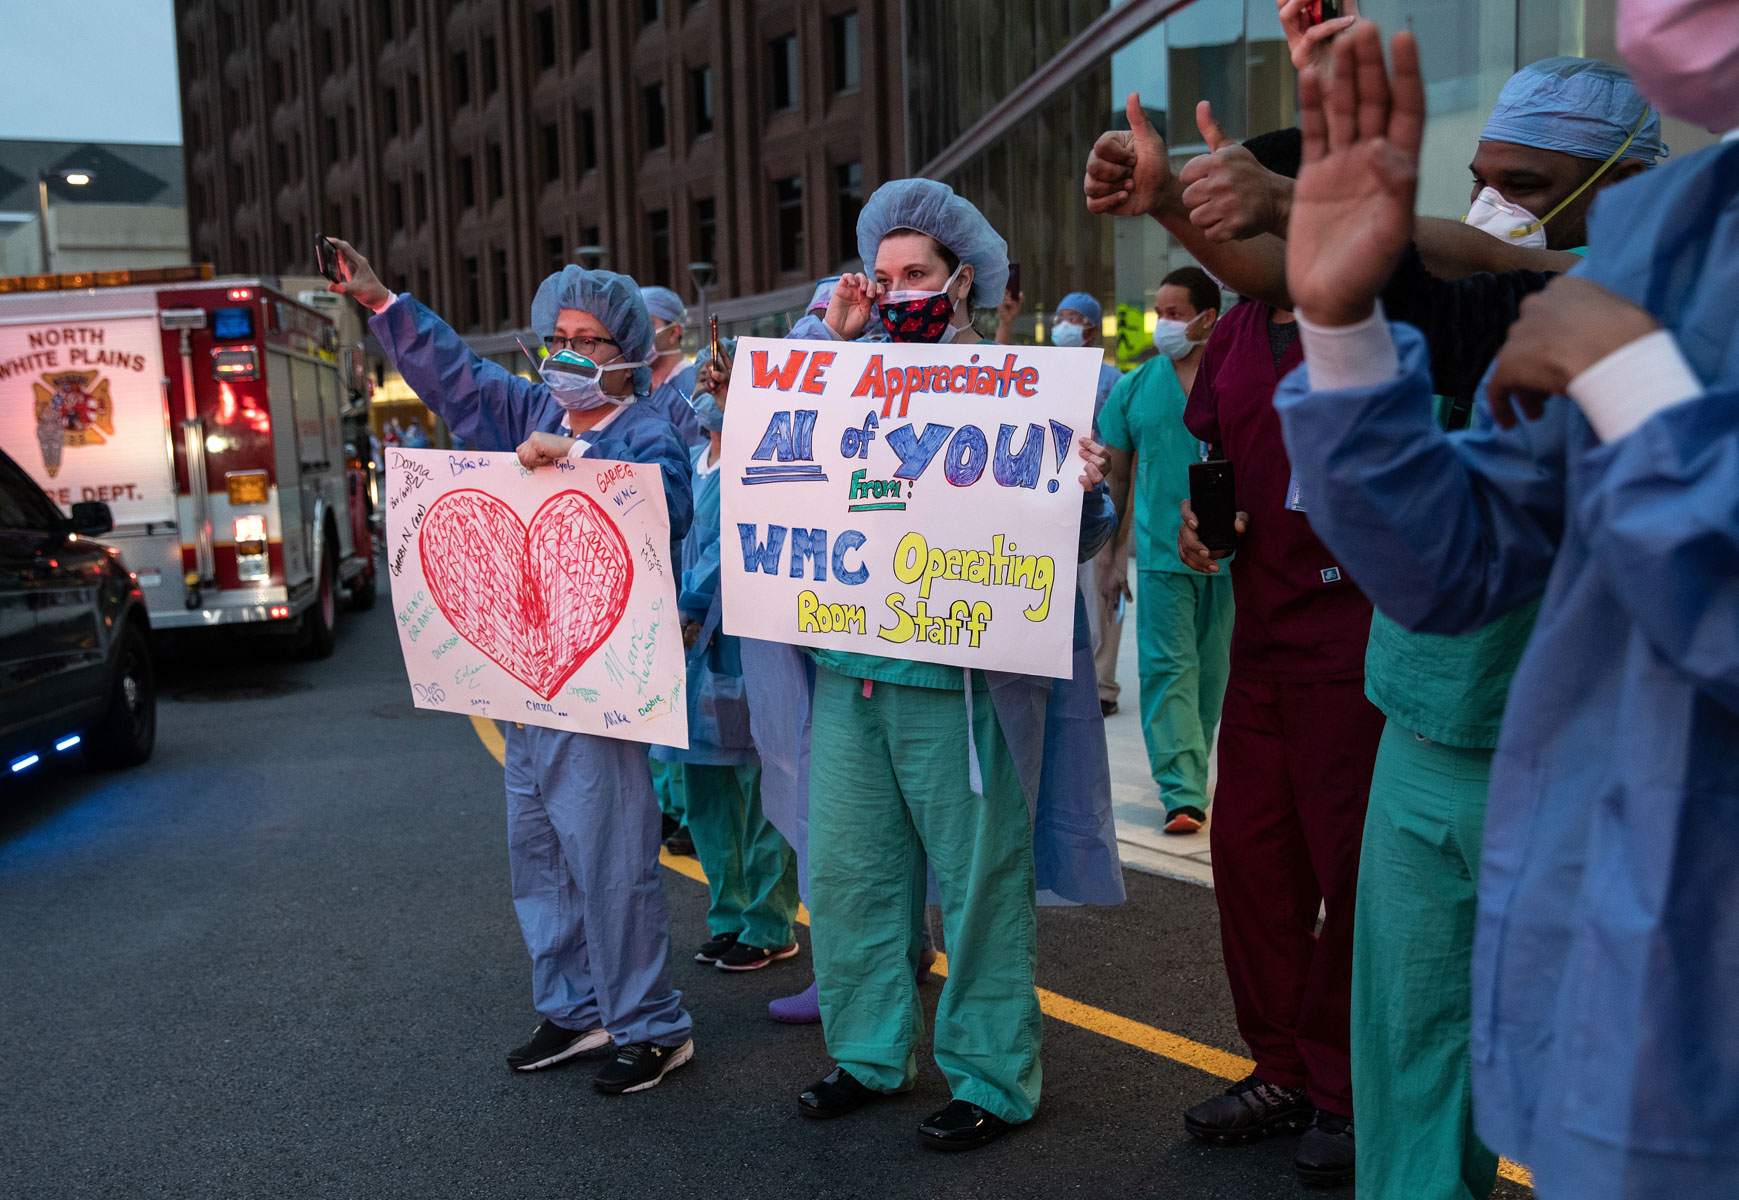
(1072, 1012)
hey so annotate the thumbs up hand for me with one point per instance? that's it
(1128, 174)
(1228, 193)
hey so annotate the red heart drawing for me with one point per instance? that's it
(539, 599)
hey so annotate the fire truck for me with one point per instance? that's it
(209, 414)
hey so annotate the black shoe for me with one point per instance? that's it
(714, 948)
(744, 957)
(680, 843)
(551, 1044)
(671, 825)
(1107, 707)
(640, 1066)
(960, 1126)
(1325, 1152)
(834, 1095)
(1248, 1111)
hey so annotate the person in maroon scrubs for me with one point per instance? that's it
(1298, 740)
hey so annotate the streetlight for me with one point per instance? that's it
(590, 256)
(703, 274)
(74, 176)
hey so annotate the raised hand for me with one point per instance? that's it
(1128, 174)
(360, 281)
(1352, 209)
(854, 296)
(1228, 193)
(1307, 38)
(543, 449)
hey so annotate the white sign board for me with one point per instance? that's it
(544, 597)
(81, 410)
(909, 501)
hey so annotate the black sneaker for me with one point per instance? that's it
(714, 948)
(744, 957)
(1248, 1111)
(680, 843)
(640, 1066)
(1325, 1152)
(551, 1044)
(670, 826)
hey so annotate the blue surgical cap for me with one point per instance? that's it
(1084, 304)
(823, 293)
(613, 299)
(1578, 106)
(932, 207)
(665, 304)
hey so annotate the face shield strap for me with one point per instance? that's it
(1540, 223)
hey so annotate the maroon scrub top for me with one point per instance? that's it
(1299, 618)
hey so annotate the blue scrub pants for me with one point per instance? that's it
(582, 843)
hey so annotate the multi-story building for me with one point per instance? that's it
(125, 207)
(470, 146)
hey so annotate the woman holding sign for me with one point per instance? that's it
(915, 759)
(582, 820)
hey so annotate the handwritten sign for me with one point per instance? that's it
(917, 502)
(544, 597)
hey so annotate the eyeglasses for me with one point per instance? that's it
(586, 346)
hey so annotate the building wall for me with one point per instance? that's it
(358, 118)
(99, 237)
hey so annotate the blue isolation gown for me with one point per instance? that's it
(583, 822)
(1606, 963)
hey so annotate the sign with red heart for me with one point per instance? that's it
(543, 597)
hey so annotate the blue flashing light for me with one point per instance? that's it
(25, 763)
(67, 743)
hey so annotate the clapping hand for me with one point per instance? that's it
(1562, 332)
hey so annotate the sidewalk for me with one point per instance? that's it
(1134, 798)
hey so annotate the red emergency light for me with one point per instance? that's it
(241, 294)
(279, 611)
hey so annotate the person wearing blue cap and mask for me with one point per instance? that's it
(1603, 1013)
(673, 379)
(1001, 781)
(751, 871)
(582, 821)
(1076, 323)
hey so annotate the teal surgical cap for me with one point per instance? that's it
(1577, 106)
(1084, 304)
(932, 207)
(613, 299)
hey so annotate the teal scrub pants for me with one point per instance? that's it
(1412, 973)
(889, 785)
(664, 786)
(751, 871)
(1184, 627)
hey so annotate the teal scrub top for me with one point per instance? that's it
(1144, 416)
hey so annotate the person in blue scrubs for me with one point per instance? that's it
(582, 820)
(1605, 1030)
(751, 870)
(672, 377)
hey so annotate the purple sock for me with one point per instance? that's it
(802, 1009)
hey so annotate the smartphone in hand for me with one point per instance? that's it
(712, 324)
(1323, 10)
(328, 259)
(1214, 503)
(1012, 291)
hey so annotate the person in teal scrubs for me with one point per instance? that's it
(913, 760)
(751, 870)
(1184, 618)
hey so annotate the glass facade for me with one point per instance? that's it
(964, 56)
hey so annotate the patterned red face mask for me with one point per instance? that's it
(918, 316)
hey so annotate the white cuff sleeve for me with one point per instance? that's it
(1633, 383)
(392, 298)
(577, 451)
(1350, 356)
(832, 333)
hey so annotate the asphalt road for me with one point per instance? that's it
(280, 960)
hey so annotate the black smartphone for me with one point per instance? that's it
(1013, 289)
(1215, 504)
(328, 259)
(1326, 10)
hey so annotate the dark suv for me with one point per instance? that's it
(75, 653)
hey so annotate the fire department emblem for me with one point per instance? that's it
(72, 409)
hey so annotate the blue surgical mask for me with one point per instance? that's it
(576, 381)
(1067, 333)
(708, 412)
(1171, 338)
